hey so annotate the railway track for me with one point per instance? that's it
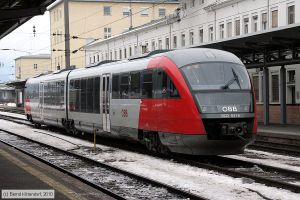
(18, 110)
(113, 181)
(249, 171)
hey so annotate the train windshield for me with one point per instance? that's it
(217, 76)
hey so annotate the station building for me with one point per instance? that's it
(98, 20)
(264, 34)
(32, 65)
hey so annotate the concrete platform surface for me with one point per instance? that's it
(288, 131)
(19, 171)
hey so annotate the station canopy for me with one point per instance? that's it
(14, 13)
(274, 47)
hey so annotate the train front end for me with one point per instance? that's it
(222, 91)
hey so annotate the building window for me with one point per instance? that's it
(35, 66)
(237, 27)
(107, 10)
(254, 23)
(153, 45)
(98, 58)
(201, 35)
(116, 55)
(161, 12)
(130, 51)
(111, 56)
(229, 29)
(275, 88)
(264, 21)
(126, 11)
(167, 43)
(145, 11)
(120, 54)
(291, 14)
(182, 39)
(274, 18)
(246, 25)
(221, 31)
(193, 3)
(174, 41)
(107, 33)
(211, 33)
(191, 38)
(160, 44)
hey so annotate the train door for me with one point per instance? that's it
(41, 101)
(106, 91)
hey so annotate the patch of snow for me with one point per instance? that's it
(13, 115)
(206, 183)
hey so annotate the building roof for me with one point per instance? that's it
(38, 56)
(15, 13)
(116, 1)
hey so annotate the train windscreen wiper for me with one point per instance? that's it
(231, 81)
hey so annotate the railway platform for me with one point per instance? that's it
(287, 131)
(21, 172)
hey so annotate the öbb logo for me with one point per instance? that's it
(229, 109)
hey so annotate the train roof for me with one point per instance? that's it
(183, 57)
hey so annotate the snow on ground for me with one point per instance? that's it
(13, 115)
(209, 184)
(271, 159)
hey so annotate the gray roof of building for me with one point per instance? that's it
(38, 56)
(116, 1)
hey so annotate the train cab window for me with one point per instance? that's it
(164, 87)
(147, 85)
(115, 87)
(124, 86)
(97, 95)
(83, 95)
(135, 92)
(89, 95)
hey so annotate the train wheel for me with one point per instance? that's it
(153, 143)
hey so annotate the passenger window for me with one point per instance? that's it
(72, 96)
(89, 94)
(83, 95)
(135, 92)
(147, 86)
(77, 92)
(115, 87)
(97, 95)
(124, 86)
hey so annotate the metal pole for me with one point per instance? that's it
(266, 96)
(283, 95)
(130, 9)
(67, 34)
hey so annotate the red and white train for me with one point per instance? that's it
(191, 101)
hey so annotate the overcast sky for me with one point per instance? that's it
(22, 39)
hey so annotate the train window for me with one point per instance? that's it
(164, 87)
(135, 92)
(72, 95)
(147, 86)
(97, 95)
(124, 86)
(83, 95)
(115, 87)
(62, 94)
(77, 92)
(89, 95)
